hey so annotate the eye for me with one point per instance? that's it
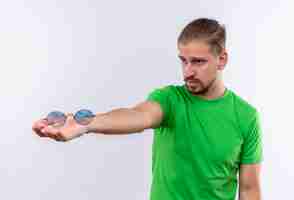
(183, 60)
(198, 61)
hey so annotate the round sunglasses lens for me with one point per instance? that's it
(56, 117)
(84, 116)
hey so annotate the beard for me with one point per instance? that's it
(197, 87)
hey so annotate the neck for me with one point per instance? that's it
(216, 90)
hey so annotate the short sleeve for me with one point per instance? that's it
(161, 96)
(252, 147)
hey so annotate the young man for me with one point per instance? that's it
(204, 134)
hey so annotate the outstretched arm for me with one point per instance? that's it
(127, 120)
(145, 115)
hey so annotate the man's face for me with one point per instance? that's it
(200, 66)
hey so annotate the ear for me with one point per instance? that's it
(223, 59)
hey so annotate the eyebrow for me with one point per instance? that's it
(192, 58)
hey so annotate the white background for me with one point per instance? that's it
(69, 54)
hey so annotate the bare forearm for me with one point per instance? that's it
(250, 194)
(118, 121)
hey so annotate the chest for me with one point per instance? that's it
(208, 134)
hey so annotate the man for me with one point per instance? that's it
(204, 133)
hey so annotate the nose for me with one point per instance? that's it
(188, 71)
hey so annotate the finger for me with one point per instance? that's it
(40, 134)
(49, 131)
(69, 119)
(53, 132)
(69, 114)
(38, 126)
(58, 137)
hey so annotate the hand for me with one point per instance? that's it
(70, 130)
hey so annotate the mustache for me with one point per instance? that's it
(192, 80)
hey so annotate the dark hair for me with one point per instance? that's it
(207, 30)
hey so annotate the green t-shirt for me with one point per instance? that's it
(200, 144)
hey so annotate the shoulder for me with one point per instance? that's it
(166, 89)
(246, 113)
(174, 94)
(243, 106)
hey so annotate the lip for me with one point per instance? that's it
(192, 82)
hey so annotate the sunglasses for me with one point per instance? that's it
(82, 117)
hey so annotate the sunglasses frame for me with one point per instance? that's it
(64, 116)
